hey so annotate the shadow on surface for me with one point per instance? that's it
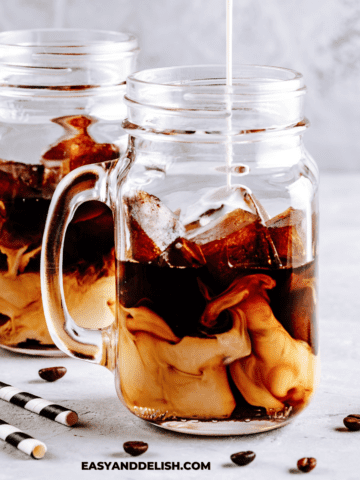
(248, 438)
(120, 455)
(230, 465)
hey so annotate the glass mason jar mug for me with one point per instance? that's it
(61, 106)
(215, 206)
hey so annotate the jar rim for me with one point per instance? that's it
(247, 79)
(196, 102)
(67, 41)
(42, 62)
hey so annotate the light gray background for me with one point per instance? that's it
(320, 38)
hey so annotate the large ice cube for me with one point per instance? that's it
(234, 237)
(152, 226)
(248, 247)
(212, 206)
(286, 230)
(238, 239)
(221, 227)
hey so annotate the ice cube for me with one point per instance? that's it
(288, 236)
(223, 226)
(238, 239)
(212, 206)
(144, 249)
(182, 253)
(234, 237)
(205, 218)
(153, 227)
(248, 247)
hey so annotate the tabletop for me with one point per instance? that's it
(105, 424)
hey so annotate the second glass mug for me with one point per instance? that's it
(61, 106)
(215, 207)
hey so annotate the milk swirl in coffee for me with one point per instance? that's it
(25, 196)
(219, 322)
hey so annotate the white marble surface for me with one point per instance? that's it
(105, 424)
(321, 39)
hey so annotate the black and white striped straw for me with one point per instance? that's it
(38, 405)
(22, 441)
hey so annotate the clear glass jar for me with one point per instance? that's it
(215, 206)
(61, 106)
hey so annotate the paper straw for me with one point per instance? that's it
(22, 441)
(38, 405)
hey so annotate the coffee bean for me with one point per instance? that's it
(243, 458)
(306, 464)
(52, 374)
(135, 448)
(352, 422)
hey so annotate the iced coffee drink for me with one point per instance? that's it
(25, 195)
(216, 316)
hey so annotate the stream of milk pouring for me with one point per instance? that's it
(229, 82)
(59, 12)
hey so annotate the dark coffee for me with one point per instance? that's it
(219, 326)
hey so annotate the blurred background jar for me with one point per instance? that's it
(61, 107)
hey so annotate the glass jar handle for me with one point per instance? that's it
(90, 182)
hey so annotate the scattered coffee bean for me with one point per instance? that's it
(52, 374)
(352, 422)
(135, 448)
(243, 458)
(306, 464)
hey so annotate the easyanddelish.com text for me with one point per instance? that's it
(145, 466)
